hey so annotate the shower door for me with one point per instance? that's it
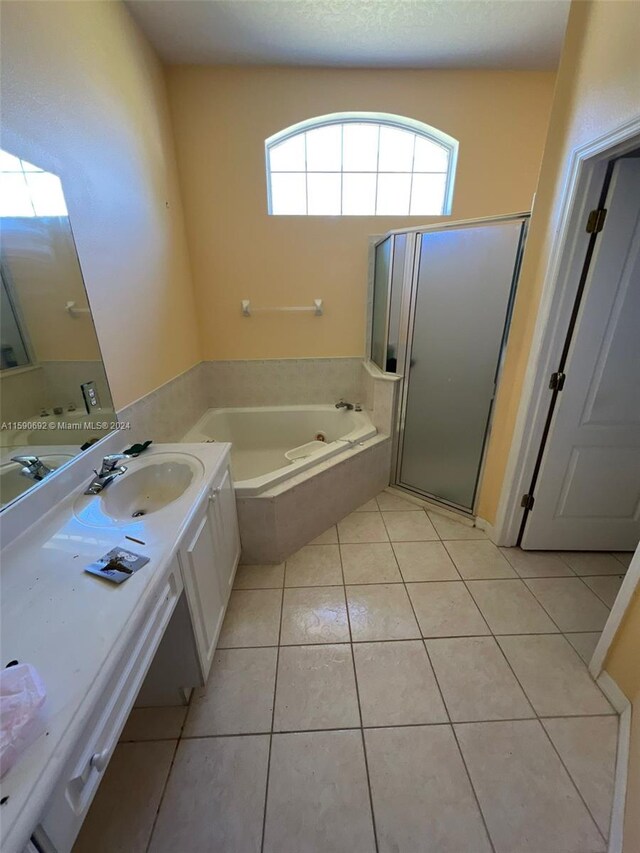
(463, 288)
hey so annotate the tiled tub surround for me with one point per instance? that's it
(276, 523)
(367, 695)
(172, 409)
(279, 521)
(282, 382)
(168, 412)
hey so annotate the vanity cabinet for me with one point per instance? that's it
(208, 559)
(173, 638)
(89, 759)
(226, 527)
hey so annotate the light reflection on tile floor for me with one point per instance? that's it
(369, 695)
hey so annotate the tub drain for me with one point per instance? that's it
(138, 513)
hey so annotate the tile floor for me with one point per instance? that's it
(400, 685)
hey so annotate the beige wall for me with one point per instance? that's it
(83, 96)
(221, 119)
(597, 90)
(623, 665)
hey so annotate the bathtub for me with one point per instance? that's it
(273, 443)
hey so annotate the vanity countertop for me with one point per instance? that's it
(74, 627)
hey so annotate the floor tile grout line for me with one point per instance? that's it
(424, 645)
(508, 662)
(357, 688)
(540, 718)
(273, 714)
(473, 789)
(624, 565)
(531, 592)
(492, 634)
(573, 781)
(477, 606)
(504, 548)
(166, 781)
(546, 610)
(445, 580)
(523, 578)
(421, 637)
(446, 710)
(374, 726)
(593, 592)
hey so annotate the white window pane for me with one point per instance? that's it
(358, 194)
(9, 163)
(430, 157)
(360, 148)
(324, 149)
(323, 192)
(396, 150)
(393, 195)
(288, 156)
(46, 194)
(427, 195)
(29, 167)
(14, 195)
(288, 193)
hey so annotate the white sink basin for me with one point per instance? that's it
(13, 484)
(150, 485)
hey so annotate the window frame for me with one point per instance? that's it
(419, 128)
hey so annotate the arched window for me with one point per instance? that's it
(360, 164)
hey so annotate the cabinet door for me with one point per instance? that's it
(226, 531)
(201, 561)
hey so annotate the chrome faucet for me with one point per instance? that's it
(109, 470)
(342, 405)
(34, 468)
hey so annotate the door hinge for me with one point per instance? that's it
(595, 220)
(527, 502)
(556, 383)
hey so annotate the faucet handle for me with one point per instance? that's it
(109, 462)
(26, 460)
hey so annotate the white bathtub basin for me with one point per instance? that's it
(262, 436)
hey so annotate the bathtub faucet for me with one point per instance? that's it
(342, 405)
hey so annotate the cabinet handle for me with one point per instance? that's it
(99, 760)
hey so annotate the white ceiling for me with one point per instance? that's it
(357, 33)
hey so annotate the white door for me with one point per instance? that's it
(587, 496)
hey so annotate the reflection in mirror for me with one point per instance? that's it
(54, 395)
(389, 265)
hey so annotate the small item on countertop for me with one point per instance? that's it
(137, 449)
(133, 539)
(117, 565)
(22, 694)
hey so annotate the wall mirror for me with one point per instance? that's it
(54, 396)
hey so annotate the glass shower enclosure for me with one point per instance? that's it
(442, 301)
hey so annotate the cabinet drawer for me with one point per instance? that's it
(73, 795)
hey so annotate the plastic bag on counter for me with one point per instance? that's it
(22, 694)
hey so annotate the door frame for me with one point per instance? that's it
(579, 193)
